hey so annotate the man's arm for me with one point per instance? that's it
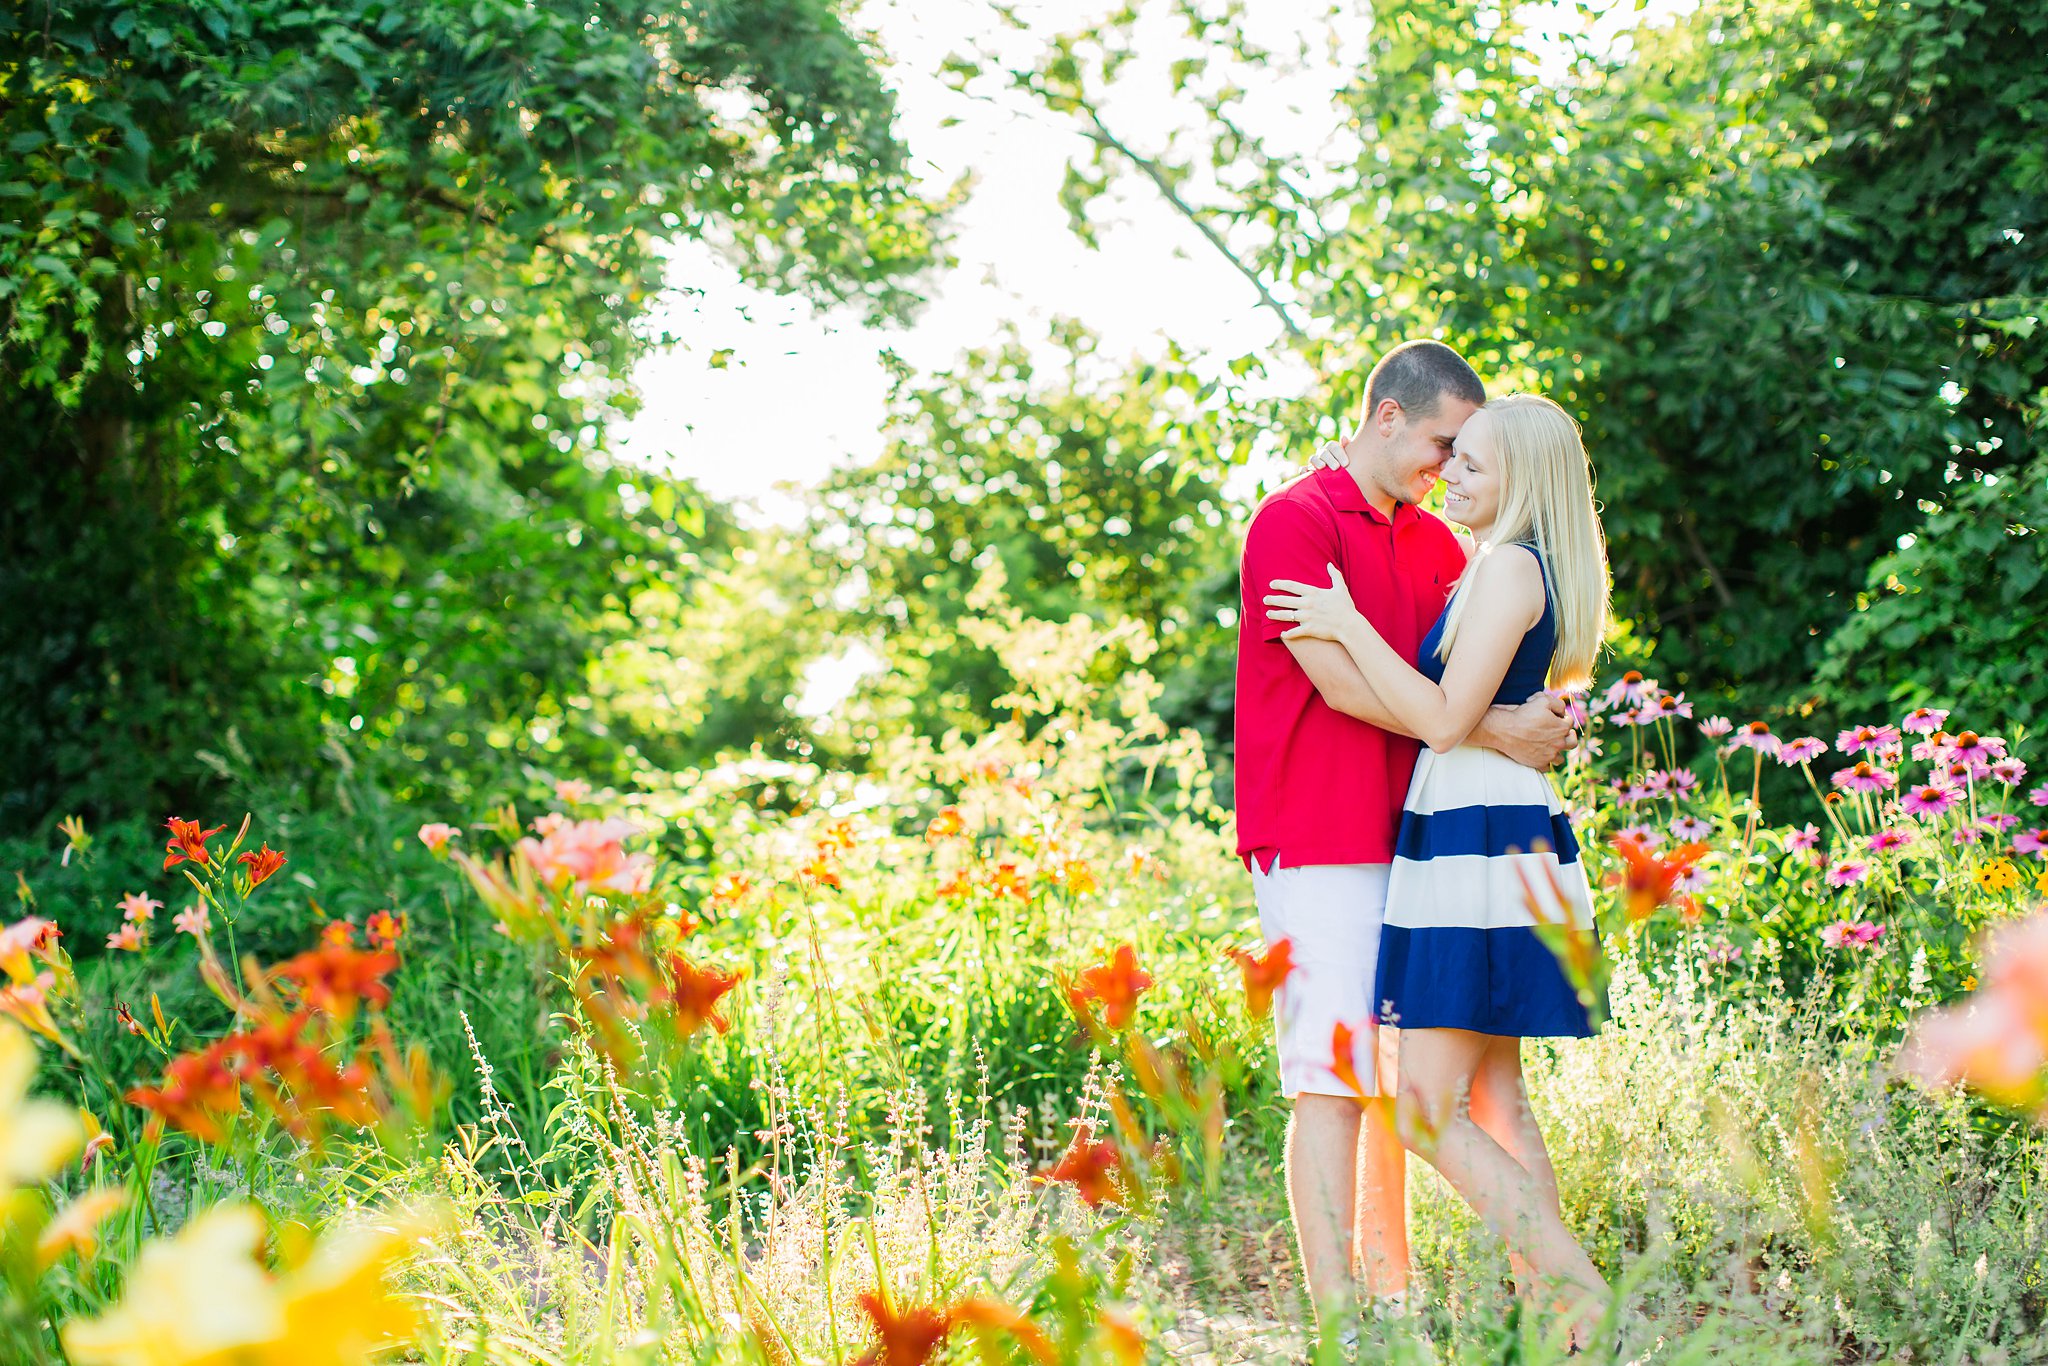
(1535, 733)
(1341, 683)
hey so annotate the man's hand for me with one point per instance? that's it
(1537, 733)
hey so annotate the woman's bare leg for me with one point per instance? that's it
(1500, 1106)
(1438, 1068)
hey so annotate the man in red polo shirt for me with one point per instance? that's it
(1322, 768)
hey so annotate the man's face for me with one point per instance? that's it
(1417, 447)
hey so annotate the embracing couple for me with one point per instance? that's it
(1393, 732)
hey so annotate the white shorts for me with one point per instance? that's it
(1332, 914)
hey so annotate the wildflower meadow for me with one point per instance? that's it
(772, 1065)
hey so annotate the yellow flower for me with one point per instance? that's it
(36, 1136)
(198, 1299)
(1998, 876)
(203, 1299)
(337, 1310)
(2041, 883)
(77, 1229)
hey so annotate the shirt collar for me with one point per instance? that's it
(1345, 495)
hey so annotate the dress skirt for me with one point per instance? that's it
(1484, 846)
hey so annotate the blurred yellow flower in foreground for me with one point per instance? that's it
(199, 1297)
(36, 1136)
(203, 1299)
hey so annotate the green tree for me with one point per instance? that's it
(1782, 259)
(1071, 471)
(311, 315)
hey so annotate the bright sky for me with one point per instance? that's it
(805, 390)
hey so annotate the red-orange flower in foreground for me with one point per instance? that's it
(730, 889)
(945, 825)
(1006, 881)
(906, 1338)
(1117, 984)
(1344, 1054)
(335, 978)
(1648, 878)
(200, 1094)
(1263, 974)
(262, 863)
(822, 869)
(694, 993)
(1090, 1166)
(188, 841)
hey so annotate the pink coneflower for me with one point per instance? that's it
(1934, 749)
(1998, 820)
(1860, 738)
(1683, 784)
(1670, 706)
(1804, 750)
(1864, 776)
(1757, 736)
(1884, 841)
(1714, 727)
(1977, 749)
(1631, 688)
(1888, 755)
(1848, 873)
(1575, 710)
(1923, 721)
(1968, 833)
(1693, 879)
(1592, 745)
(1686, 829)
(1930, 799)
(1656, 782)
(138, 907)
(2033, 842)
(1646, 835)
(191, 920)
(2009, 771)
(1851, 934)
(1961, 773)
(1809, 838)
(1628, 794)
(2039, 796)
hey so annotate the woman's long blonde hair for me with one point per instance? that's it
(1546, 497)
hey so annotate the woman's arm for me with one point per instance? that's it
(1506, 600)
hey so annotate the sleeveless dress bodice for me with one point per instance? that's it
(1528, 671)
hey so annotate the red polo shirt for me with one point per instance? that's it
(1314, 784)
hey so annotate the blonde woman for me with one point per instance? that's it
(1462, 970)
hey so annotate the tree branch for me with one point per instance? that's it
(1102, 137)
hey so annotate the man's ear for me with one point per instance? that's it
(1386, 416)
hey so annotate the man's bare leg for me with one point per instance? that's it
(1382, 1223)
(1322, 1161)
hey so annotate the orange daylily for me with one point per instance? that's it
(694, 994)
(335, 978)
(908, 1338)
(1647, 878)
(188, 841)
(945, 825)
(1263, 974)
(1006, 881)
(1344, 1054)
(1089, 1165)
(1117, 984)
(262, 863)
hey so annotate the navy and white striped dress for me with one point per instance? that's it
(1478, 832)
